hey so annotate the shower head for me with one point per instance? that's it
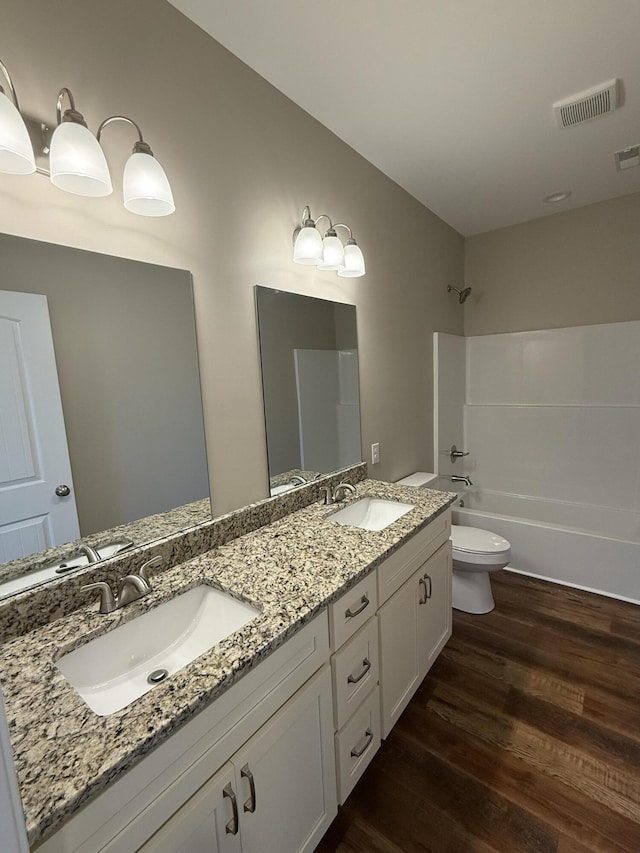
(463, 294)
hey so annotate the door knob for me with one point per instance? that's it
(63, 491)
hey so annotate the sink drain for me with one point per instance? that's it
(157, 676)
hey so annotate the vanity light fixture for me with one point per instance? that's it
(145, 185)
(16, 153)
(310, 249)
(76, 160)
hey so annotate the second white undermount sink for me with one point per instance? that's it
(371, 513)
(116, 668)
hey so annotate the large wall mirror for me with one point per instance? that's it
(309, 360)
(100, 407)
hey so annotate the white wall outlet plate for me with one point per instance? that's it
(375, 453)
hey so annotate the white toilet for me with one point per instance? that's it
(476, 553)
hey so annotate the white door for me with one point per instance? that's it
(34, 458)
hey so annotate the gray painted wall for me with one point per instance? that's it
(570, 269)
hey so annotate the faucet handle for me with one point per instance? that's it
(107, 599)
(327, 495)
(150, 564)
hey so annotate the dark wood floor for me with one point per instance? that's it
(525, 736)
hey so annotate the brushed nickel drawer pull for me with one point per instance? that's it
(364, 602)
(356, 753)
(428, 578)
(366, 666)
(422, 600)
(232, 827)
(250, 804)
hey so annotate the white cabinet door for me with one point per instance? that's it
(276, 795)
(400, 655)
(207, 823)
(435, 614)
(415, 623)
(285, 775)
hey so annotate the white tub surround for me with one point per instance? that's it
(552, 422)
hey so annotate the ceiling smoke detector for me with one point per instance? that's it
(627, 158)
(589, 104)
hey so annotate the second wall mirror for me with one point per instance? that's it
(310, 381)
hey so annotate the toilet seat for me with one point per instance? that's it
(474, 547)
(474, 540)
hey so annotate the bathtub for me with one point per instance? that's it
(578, 545)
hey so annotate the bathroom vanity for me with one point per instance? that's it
(252, 745)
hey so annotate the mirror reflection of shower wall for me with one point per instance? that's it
(309, 358)
(125, 351)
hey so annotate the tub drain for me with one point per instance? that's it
(157, 676)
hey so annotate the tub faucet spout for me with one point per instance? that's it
(455, 478)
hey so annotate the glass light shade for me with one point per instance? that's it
(145, 187)
(353, 262)
(332, 254)
(307, 248)
(77, 162)
(16, 153)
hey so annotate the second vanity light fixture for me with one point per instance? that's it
(76, 160)
(310, 249)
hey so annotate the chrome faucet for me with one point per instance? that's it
(298, 480)
(338, 494)
(90, 553)
(131, 588)
(457, 479)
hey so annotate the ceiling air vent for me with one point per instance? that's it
(586, 105)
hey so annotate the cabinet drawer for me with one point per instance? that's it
(357, 743)
(397, 568)
(355, 671)
(352, 610)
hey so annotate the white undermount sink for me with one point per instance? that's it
(113, 670)
(371, 513)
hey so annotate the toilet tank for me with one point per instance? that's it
(420, 479)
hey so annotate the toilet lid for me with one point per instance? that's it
(473, 540)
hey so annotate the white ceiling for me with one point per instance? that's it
(453, 98)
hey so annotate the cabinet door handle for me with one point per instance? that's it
(250, 804)
(232, 827)
(364, 602)
(366, 666)
(368, 737)
(428, 592)
(422, 600)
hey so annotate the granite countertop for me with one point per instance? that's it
(65, 754)
(140, 531)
